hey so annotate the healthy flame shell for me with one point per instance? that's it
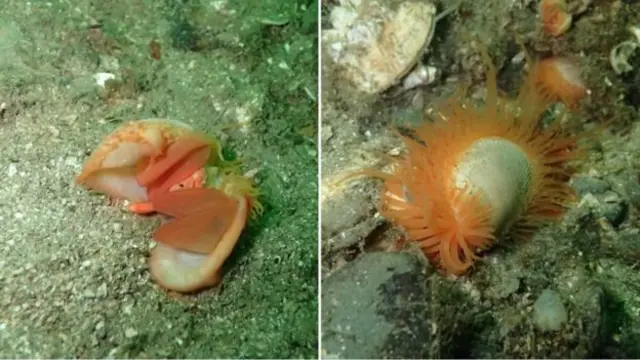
(476, 174)
(558, 79)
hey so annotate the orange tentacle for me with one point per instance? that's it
(143, 208)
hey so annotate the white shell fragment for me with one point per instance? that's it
(635, 30)
(102, 78)
(373, 45)
(620, 54)
(420, 75)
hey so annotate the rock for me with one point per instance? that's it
(109, 63)
(549, 313)
(375, 45)
(614, 208)
(346, 220)
(610, 206)
(420, 75)
(327, 133)
(130, 332)
(102, 290)
(586, 184)
(507, 285)
(117, 227)
(632, 189)
(377, 307)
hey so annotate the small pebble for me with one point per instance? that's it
(102, 78)
(508, 286)
(130, 332)
(327, 133)
(632, 189)
(12, 170)
(102, 290)
(549, 313)
(587, 184)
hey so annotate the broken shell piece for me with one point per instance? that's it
(102, 78)
(620, 54)
(187, 271)
(421, 75)
(577, 7)
(635, 30)
(375, 46)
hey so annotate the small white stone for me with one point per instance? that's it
(283, 65)
(244, 117)
(395, 151)
(117, 227)
(421, 75)
(102, 78)
(549, 312)
(72, 161)
(251, 173)
(518, 58)
(102, 290)
(611, 197)
(12, 170)
(130, 332)
(635, 30)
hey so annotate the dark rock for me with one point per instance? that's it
(377, 307)
(587, 184)
(347, 219)
(615, 210)
(609, 206)
(632, 189)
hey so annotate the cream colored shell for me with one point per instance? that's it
(501, 173)
(375, 46)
